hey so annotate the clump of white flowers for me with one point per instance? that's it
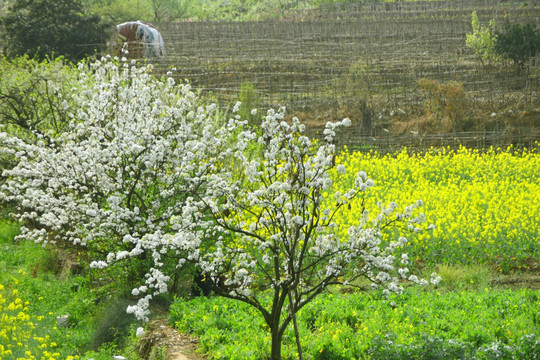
(136, 150)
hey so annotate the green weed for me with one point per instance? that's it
(464, 276)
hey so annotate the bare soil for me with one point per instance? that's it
(399, 122)
(162, 340)
(529, 281)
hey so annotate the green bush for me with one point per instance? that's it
(113, 324)
(44, 28)
(34, 97)
(518, 43)
(119, 11)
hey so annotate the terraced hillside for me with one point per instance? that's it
(333, 61)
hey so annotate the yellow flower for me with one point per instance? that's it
(476, 200)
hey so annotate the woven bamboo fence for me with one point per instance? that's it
(347, 52)
(418, 143)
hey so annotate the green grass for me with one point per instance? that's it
(7, 232)
(464, 276)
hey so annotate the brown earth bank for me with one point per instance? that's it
(371, 120)
(529, 281)
(381, 129)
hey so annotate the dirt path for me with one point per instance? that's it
(162, 339)
(529, 281)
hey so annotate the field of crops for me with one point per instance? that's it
(484, 204)
(473, 325)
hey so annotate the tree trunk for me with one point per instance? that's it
(296, 333)
(276, 343)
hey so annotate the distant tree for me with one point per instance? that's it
(44, 28)
(119, 11)
(518, 43)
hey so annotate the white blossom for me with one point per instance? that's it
(435, 279)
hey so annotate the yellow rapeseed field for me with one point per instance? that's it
(485, 205)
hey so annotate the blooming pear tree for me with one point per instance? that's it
(144, 171)
(275, 230)
(135, 149)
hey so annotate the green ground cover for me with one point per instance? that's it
(33, 294)
(469, 324)
(484, 207)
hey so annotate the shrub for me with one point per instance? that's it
(518, 43)
(34, 97)
(250, 101)
(122, 10)
(113, 324)
(445, 102)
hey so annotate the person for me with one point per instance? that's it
(141, 40)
